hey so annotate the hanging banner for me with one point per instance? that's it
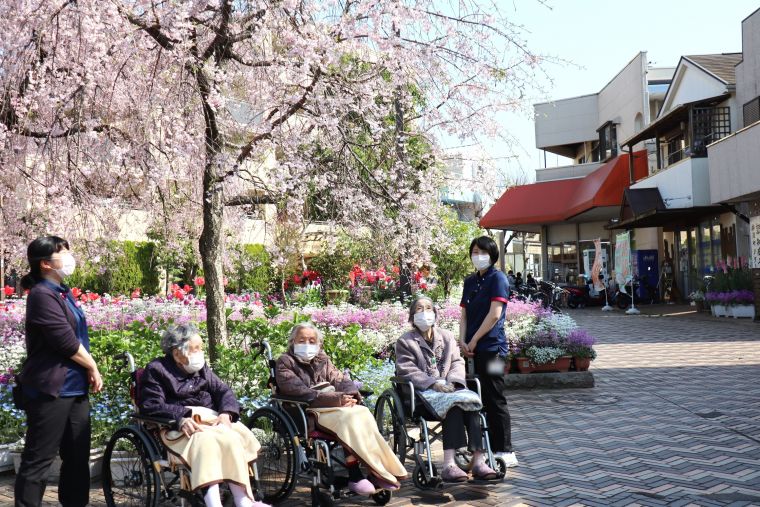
(754, 241)
(597, 266)
(623, 259)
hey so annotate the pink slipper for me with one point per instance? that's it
(362, 488)
(484, 473)
(383, 484)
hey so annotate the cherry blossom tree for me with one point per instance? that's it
(207, 108)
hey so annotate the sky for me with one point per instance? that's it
(600, 37)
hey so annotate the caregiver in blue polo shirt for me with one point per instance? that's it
(482, 337)
(55, 379)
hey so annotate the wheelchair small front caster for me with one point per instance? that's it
(501, 465)
(422, 481)
(382, 497)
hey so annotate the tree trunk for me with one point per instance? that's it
(211, 249)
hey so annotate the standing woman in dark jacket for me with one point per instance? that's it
(482, 338)
(54, 380)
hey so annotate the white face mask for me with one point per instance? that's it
(305, 351)
(481, 261)
(68, 265)
(196, 360)
(424, 320)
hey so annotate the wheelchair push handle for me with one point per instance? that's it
(125, 359)
(262, 347)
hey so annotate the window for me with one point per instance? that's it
(675, 149)
(708, 124)
(752, 111)
(607, 141)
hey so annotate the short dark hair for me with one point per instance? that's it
(487, 244)
(38, 250)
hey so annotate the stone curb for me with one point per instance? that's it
(569, 380)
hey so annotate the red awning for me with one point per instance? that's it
(527, 207)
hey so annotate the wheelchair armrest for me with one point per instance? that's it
(405, 382)
(366, 393)
(160, 421)
(401, 380)
(294, 400)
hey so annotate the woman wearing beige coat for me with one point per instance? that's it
(429, 358)
(306, 373)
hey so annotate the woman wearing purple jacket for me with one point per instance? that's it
(207, 435)
(55, 379)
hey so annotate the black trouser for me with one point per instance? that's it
(494, 403)
(55, 425)
(455, 421)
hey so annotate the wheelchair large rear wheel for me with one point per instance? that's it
(277, 460)
(129, 478)
(390, 422)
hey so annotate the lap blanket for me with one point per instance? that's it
(216, 454)
(356, 429)
(440, 403)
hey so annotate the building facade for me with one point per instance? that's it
(572, 205)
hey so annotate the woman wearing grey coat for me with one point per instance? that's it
(429, 358)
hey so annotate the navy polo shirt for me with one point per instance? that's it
(75, 383)
(477, 294)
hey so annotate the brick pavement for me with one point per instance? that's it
(673, 420)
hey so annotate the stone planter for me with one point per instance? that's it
(719, 310)
(743, 311)
(96, 465)
(582, 363)
(6, 457)
(561, 365)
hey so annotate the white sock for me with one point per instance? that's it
(240, 494)
(212, 497)
(478, 458)
(448, 457)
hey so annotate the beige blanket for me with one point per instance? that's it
(357, 431)
(217, 453)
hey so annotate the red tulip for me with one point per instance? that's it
(187, 288)
(199, 281)
(93, 296)
(136, 293)
(9, 290)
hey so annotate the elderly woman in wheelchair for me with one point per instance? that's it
(207, 436)
(305, 373)
(430, 369)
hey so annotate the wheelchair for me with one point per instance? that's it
(291, 451)
(398, 410)
(138, 470)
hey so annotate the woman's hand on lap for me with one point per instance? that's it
(224, 419)
(347, 400)
(189, 426)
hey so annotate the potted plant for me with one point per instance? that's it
(579, 344)
(743, 304)
(697, 299)
(543, 360)
(717, 302)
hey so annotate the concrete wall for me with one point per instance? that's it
(684, 184)
(735, 166)
(748, 71)
(624, 97)
(689, 84)
(565, 172)
(592, 230)
(566, 121)
(561, 233)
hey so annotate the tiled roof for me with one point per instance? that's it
(722, 65)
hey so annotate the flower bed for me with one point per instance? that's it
(357, 339)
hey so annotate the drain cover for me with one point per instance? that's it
(586, 399)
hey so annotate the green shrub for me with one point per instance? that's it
(253, 270)
(126, 265)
